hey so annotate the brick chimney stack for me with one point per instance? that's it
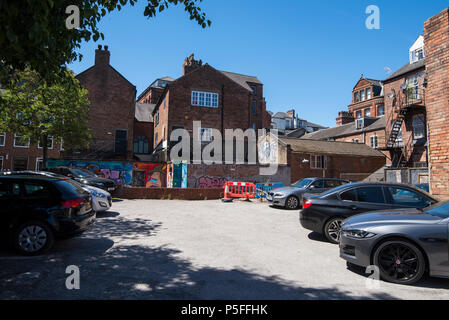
(190, 64)
(344, 117)
(102, 56)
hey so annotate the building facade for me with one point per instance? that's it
(220, 100)
(367, 99)
(290, 124)
(112, 110)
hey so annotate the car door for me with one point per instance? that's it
(403, 197)
(316, 187)
(363, 199)
(38, 197)
(9, 201)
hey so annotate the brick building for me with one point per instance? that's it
(315, 158)
(17, 153)
(405, 111)
(436, 39)
(219, 99)
(143, 131)
(367, 99)
(112, 110)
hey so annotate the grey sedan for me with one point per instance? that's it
(403, 243)
(291, 197)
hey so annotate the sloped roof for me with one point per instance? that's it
(241, 79)
(345, 130)
(144, 112)
(409, 67)
(330, 147)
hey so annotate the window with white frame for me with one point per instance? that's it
(418, 54)
(318, 162)
(368, 112)
(21, 142)
(205, 134)
(413, 87)
(39, 164)
(356, 96)
(2, 139)
(49, 143)
(204, 99)
(358, 114)
(419, 127)
(368, 93)
(362, 95)
(359, 123)
(373, 142)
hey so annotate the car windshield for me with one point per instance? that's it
(81, 173)
(440, 209)
(302, 183)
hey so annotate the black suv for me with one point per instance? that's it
(37, 209)
(85, 176)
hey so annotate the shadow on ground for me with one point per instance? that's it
(129, 271)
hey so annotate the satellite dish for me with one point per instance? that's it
(403, 86)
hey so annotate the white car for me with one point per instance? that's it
(101, 200)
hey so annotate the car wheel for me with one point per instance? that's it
(399, 261)
(292, 203)
(32, 238)
(332, 230)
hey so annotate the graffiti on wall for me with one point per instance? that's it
(210, 182)
(149, 175)
(268, 152)
(120, 172)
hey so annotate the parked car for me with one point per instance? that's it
(402, 243)
(291, 197)
(324, 213)
(35, 210)
(101, 199)
(86, 177)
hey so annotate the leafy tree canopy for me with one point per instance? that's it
(31, 107)
(33, 33)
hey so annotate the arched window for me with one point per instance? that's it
(140, 144)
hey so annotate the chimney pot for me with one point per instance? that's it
(102, 56)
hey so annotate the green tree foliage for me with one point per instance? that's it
(31, 107)
(33, 33)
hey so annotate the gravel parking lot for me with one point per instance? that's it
(160, 249)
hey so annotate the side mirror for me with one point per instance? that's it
(312, 187)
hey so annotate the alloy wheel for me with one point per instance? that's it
(292, 203)
(333, 230)
(32, 238)
(399, 262)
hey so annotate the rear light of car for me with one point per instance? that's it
(306, 204)
(73, 203)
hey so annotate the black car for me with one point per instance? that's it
(36, 210)
(85, 176)
(325, 213)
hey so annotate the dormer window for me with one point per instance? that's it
(368, 93)
(362, 94)
(356, 97)
(417, 54)
(359, 123)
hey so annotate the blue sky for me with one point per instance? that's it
(308, 54)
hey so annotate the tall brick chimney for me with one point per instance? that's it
(102, 56)
(344, 117)
(190, 64)
(436, 41)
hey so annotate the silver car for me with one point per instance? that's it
(291, 197)
(101, 199)
(402, 243)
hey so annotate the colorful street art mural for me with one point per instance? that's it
(149, 175)
(120, 172)
(177, 177)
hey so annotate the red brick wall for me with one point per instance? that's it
(168, 193)
(338, 166)
(112, 100)
(436, 39)
(8, 152)
(237, 102)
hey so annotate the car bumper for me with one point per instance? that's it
(356, 251)
(69, 227)
(311, 221)
(101, 204)
(277, 201)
